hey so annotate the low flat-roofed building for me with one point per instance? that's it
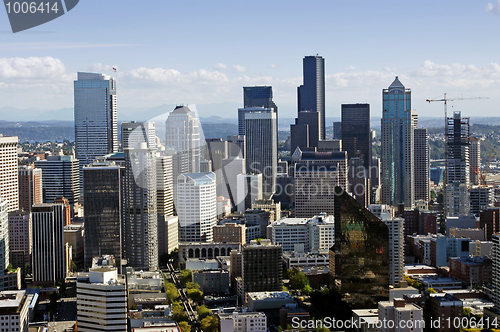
(471, 233)
(398, 293)
(481, 248)
(212, 281)
(398, 311)
(243, 322)
(473, 299)
(437, 282)
(160, 314)
(158, 327)
(291, 313)
(201, 264)
(14, 306)
(268, 300)
(294, 259)
(474, 270)
(367, 318)
(445, 307)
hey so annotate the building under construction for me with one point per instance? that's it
(458, 166)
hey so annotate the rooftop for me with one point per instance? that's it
(270, 295)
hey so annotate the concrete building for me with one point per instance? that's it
(268, 205)
(442, 248)
(397, 155)
(474, 160)
(471, 270)
(101, 300)
(489, 220)
(316, 177)
(196, 206)
(96, 132)
(164, 185)
(168, 234)
(30, 187)
(262, 267)
(212, 281)
(74, 236)
(471, 233)
(445, 308)
(403, 316)
(205, 250)
(20, 238)
(463, 221)
(316, 234)
(48, 255)
(422, 164)
(230, 232)
(4, 239)
(304, 132)
(243, 322)
(267, 300)
(134, 133)
(236, 145)
(231, 168)
(9, 182)
(60, 178)
(396, 250)
(250, 189)
(481, 198)
(481, 248)
(14, 311)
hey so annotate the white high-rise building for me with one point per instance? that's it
(396, 250)
(101, 296)
(4, 239)
(402, 316)
(9, 186)
(134, 133)
(474, 159)
(183, 138)
(48, 243)
(14, 310)
(95, 117)
(316, 234)
(196, 206)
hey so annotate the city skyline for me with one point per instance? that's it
(40, 64)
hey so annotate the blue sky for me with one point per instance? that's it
(204, 52)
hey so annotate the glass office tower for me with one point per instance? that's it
(95, 117)
(311, 94)
(359, 260)
(397, 146)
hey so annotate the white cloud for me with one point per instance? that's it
(493, 8)
(350, 68)
(220, 66)
(32, 68)
(239, 69)
(173, 76)
(99, 67)
(273, 65)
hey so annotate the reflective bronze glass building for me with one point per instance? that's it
(102, 211)
(359, 260)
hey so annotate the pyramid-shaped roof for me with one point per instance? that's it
(396, 84)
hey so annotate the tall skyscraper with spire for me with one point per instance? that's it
(398, 184)
(95, 117)
(311, 94)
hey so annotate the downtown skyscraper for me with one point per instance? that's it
(9, 185)
(311, 94)
(95, 117)
(397, 154)
(458, 166)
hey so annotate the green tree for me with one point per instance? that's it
(171, 291)
(195, 295)
(178, 313)
(186, 276)
(299, 281)
(431, 290)
(203, 311)
(467, 311)
(185, 327)
(192, 285)
(307, 289)
(210, 324)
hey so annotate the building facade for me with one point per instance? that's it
(196, 206)
(311, 94)
(20, 238)
(30, 187)
(422, 164)
(96, 132)
(397, 153)
(262, 267)
(60, 178)
(9, 183)
(262, 147)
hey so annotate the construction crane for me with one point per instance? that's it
(445, 99)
